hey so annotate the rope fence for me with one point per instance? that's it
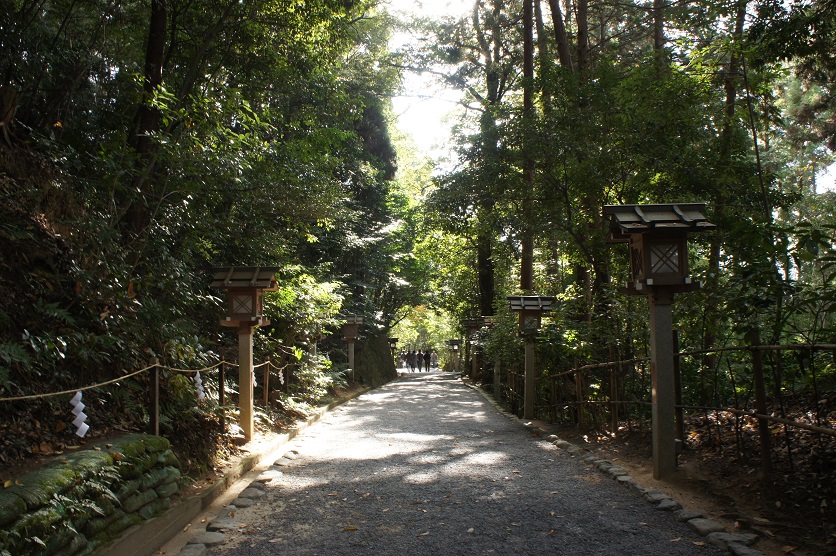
(585, 393)
(154, 371)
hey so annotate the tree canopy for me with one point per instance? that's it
(144, 143)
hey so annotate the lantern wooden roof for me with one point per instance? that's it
(249, 277)
(530, 303)
(667, 218)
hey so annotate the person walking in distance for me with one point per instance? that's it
(427, 357)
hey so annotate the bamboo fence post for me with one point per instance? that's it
(221, 392)
(553, 398)
(267, 382)
(760, 404)
(154, 391)
(614, 402)
(579, 396)
(679, 413)
(221, 384)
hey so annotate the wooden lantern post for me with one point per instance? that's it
(454, 349)
(657, 236)
(531, 309)
(351, 330)
(393, 347)
(245, 287)
(473, 326)
(497, 378)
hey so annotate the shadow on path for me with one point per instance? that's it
(426, 465)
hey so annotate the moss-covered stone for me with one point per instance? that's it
(39, 524)
(119, 525)
(127, 489)
(174, 475)
(130, 447)
(154, 478)
(154, 509)
(56, 540)
(167, 490)
(11, 506)
(78, 543)
(156, 444)
(88, 462)
(135, 467)
(106, 504)
(33, 496)
(145, 464)
(55, 479)
(99, 524)
(168, 458)
(9, 541)
(139, 499)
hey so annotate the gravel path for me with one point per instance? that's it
(427, 465)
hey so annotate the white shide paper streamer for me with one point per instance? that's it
(80, 416)
(198, 384)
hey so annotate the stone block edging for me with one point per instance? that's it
(738, 544)
(145, 538)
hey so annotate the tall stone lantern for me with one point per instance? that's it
(393, 347)
(245, 287)
(530, 309)
(473, 326)
(454, 350)
(351, 331)
(657, 236)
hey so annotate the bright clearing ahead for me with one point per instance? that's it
(424, 105)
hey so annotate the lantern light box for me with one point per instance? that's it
(245, 287)
(658, 239)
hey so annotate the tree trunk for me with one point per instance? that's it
(149, 119)
(527, 259)
(486, 271)
(560, 36)
(543, 56)
(730, 85)
(659, 32)
(582, 17)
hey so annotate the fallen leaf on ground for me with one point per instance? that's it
(350, 528)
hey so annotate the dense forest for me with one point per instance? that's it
(144, 143)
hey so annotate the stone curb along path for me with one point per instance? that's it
(738, 544)
(145, 539)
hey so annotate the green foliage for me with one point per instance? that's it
(266, 140)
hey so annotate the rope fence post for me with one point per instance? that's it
(154, 393)
(760, 404)
(267, 382)
(579, 395)
(679, 412)
(221, 392)
(614, 401)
